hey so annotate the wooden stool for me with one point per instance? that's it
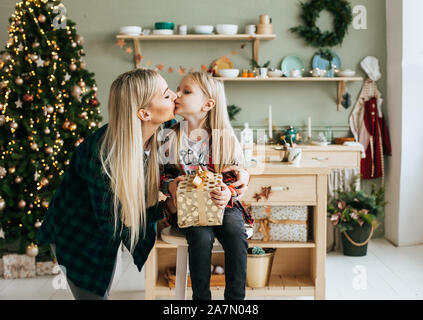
(174, 236)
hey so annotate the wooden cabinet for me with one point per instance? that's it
(298, 267)
(284, 189)
(333, 156)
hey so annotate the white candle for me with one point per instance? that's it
(309, 127)
(270, 122)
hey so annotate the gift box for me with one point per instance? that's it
(16, 266)
(280, 223)
(195, 206)
(46, 268)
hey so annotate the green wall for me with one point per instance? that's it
(99, 22)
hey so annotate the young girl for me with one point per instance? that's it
(206, 139)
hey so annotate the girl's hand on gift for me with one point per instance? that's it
(173, 186)
(241, 185)
(221, 196)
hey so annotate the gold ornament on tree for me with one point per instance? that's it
(41, 18)
(66, 125)
(76, 92)
(73, 126)
(37, 224)
(34, 146)
(19, 81)
(50, 109)
(12, 170)
(2, 204)
(49, 150)
(32, 250)
(72, 67)
(22, 204)
(44, 203)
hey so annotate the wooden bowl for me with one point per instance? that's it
(342, 140)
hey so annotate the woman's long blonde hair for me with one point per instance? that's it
(122, 151)
(226, 149)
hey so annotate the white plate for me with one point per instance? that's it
(346, 73)
(162, 31)
(131, 30)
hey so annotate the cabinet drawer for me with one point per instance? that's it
(344, 159)
(285, 189)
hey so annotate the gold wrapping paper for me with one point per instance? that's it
(195, 206)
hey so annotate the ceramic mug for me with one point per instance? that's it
(265, 19)
(250, 29)
(295, 73)
(182, 29)
(294, 155)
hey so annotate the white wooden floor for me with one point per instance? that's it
(387, 272)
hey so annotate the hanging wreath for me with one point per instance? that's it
(342, 13)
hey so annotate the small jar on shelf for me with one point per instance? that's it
(251, 74)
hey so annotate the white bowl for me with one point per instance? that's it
(275, 73)
(203, 29)
(229, 73)
(162, 31)
(346, 73)
(132, 30)
(227, 28)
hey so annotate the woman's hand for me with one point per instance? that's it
(221, 196)
(170, 206)
(173, 186)
(243, 179)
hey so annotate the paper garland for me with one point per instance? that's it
(160, 67)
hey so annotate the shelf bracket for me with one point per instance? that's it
(137, 53)
(341, 90)
(256, 45)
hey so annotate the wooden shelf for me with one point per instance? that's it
(287, 79)
(279, 285)
(199, 37)
(341, 82)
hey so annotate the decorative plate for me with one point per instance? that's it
(319, 62)
(291, 63)
(221, 63)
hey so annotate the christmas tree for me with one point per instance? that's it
(47, 106)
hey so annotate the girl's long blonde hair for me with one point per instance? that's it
(226, 149)
(122, 150)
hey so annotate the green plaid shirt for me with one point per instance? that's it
(80, 223)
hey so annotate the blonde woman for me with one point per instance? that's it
(109, 192)
(206, 139)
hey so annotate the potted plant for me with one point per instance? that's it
(259, 266)
(262, 69)
(355, 214)
(233, 110)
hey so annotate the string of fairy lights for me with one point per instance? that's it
(60, 105)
